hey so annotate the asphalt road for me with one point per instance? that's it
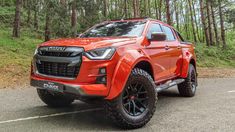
(212, 109)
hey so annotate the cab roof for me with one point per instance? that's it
(141, 19)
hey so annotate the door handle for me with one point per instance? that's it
(167, 47)
(178, 47)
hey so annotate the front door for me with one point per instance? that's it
(159, 53)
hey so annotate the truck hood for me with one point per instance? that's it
(92, 43)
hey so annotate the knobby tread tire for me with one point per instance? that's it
(113, 107)
(185, 87)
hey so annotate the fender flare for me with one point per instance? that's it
(187, 58)
(123, 71)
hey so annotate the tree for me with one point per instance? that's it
(105, 12)
(214, 25)
(222, 24)
(36, 10)
(211, 41)
(74, 18)
(16, 27)
(135, 8)
(176, 14)
(168, 13)
(47, 28)
(204, 22)
(192, 20)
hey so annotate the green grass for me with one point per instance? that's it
(17, 51)
(217, 57)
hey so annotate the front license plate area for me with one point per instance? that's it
(52, 86)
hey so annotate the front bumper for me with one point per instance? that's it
(92, 90)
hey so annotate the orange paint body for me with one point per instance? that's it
(166, 64)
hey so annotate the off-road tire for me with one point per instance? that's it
(54, 99)
(188, 87)
(115, 108)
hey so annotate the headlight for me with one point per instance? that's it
(36, 51)
(100, 54)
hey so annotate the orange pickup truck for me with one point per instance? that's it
(123, 63)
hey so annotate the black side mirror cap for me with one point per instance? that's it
(79, 35)
(158, 36)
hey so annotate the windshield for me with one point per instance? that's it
(114, 29)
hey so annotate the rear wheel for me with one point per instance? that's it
(135, 106)
(188, 87)
(54, 99)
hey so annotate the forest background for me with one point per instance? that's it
(24, 24)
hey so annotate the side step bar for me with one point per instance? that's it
(168, 84)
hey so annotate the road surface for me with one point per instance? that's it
(212, 109)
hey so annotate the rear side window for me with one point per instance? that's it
(169, 34)
(153, 28)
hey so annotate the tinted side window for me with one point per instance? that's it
(169, 34)
(153, 28)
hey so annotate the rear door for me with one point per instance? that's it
(174, 51)
(159, 54)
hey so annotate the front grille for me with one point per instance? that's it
(57, 54)
(58, 69)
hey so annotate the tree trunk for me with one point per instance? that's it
(222, 25)
(16, 27)
(138, 8)
(105, 8)
(135, 8)
(168, 13)
(29, 15)
(196, 22)
(145, 8)
(36, 19)
(204, 22)
(192, 20)
(149, 8)
(176, 15)
(209, 22)
(125, 9)
(47, 28)
(160, 10)
(156, 9)
(214, 25)
(74, 19)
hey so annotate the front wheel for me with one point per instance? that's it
(188, 87)
(135, 106)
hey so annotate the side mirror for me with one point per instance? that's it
(158, 36)
(79, 35)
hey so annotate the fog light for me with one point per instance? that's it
(102, 71)
(101, 80)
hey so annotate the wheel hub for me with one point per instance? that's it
(135, 99)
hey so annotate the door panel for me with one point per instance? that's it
(160, 59)
(174, 52)
(175, 58)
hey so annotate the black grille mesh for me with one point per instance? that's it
(58, 69)
(57, 54)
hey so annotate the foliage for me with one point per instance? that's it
(17, 51)
(90, 12)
